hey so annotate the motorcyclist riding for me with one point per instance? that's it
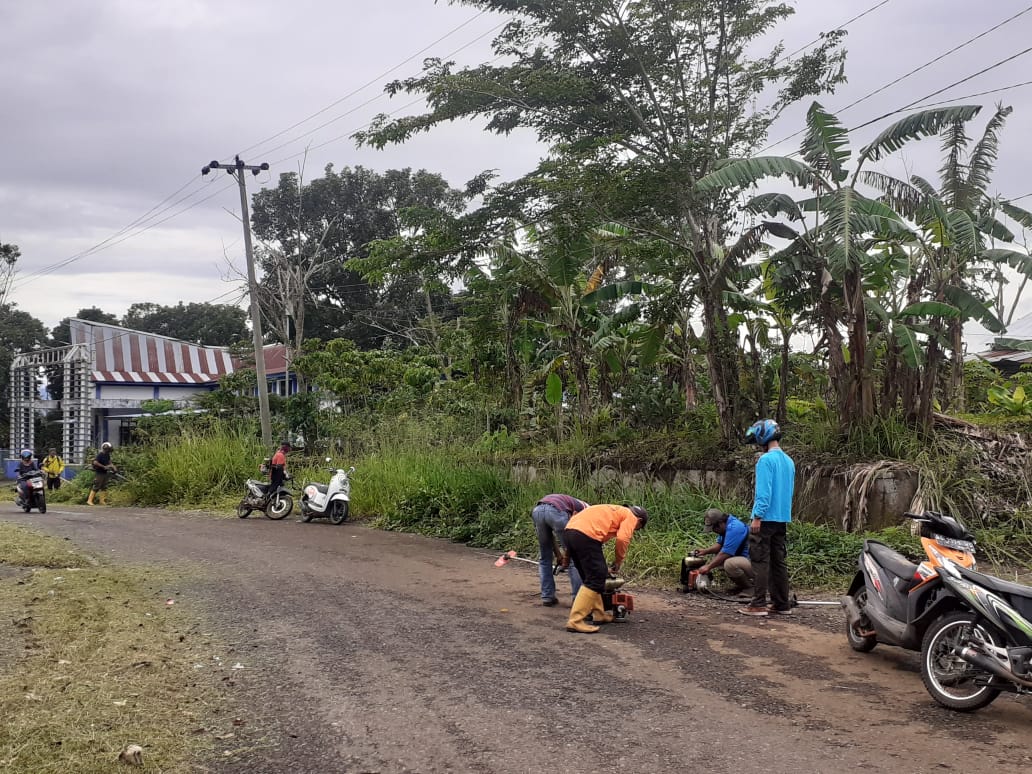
(25, 465)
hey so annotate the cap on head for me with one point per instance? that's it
(26, 454)
(712, 518)
(105, 446)
(641, 514)
(53, 451)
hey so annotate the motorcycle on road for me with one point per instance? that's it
(275, 505)
(330, 501)
(893, 600)
(34, 494)
(982, 646)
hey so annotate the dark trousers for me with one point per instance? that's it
(53, 482)
(588, 557)
(768, 552)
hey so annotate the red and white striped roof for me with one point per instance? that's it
(133, 357)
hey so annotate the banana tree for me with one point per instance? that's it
(957, 222)
(561, 282)
(839, 228)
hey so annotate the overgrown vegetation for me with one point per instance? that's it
(91, 659)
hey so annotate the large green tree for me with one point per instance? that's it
(19, 332)
(636, 101)
(310, 231)
(202, 323)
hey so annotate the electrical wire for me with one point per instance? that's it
(366, 85)
(161, 207)
(916, 70)
(937, 92)
(369, 101)
(841, 26)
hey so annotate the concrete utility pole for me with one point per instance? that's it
(239, 167)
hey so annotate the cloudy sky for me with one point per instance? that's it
(111, 108)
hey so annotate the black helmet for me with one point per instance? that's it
(641, 514)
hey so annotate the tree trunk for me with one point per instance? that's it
(781, 416)
(955, 398)
(722, 362)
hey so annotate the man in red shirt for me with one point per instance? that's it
(585, 534)
(278, 471)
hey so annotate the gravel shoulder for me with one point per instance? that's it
(363, 651)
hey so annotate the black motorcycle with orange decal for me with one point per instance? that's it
(893, 600)
(982, 646)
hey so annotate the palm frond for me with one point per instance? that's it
(774, 204)
(742, 173)
(984, 155)
(903, 197)
(953, 176)
(1024, 217)
(914, 127)
(825, 144)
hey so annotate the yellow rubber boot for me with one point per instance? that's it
(102, 497)
(89, 500)
(598, 612)
(582, 606)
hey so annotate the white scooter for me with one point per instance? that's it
(319, 501)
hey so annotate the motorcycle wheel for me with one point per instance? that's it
(339, 514)
(949, 679)
(42, 505)
(27, 506)
(857, 642)
(242, 510)
(279, 507)
(306, 515)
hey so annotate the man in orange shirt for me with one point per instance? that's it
(585, 534)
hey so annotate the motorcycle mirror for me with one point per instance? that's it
(328, 459)
(351, 470)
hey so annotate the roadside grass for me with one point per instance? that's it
(445, 493)
(90, 661)
(413, 477)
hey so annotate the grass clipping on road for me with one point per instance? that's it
(91, 660)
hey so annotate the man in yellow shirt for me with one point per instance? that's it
(53, 466)
(585, 535)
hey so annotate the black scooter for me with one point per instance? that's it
(893, 600)
(31, 492)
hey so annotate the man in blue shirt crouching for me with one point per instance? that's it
(731, 549)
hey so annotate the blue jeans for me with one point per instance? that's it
(549, 523)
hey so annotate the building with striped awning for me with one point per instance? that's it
(107, 373)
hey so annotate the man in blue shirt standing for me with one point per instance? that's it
(731, 549)
(771, 513)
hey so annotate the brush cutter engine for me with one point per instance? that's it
(691, 580)
(619, 603)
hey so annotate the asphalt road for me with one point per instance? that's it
(364, 651)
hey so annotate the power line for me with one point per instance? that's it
(935, 93)
(369, 101)
(843, 25)
(367, 84)
(916, 70)
(161, 207)
(972, 96)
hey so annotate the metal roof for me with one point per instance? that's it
(120, 355)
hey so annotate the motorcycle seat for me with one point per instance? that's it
(891, 560)
(996, 584)
(322, 488)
